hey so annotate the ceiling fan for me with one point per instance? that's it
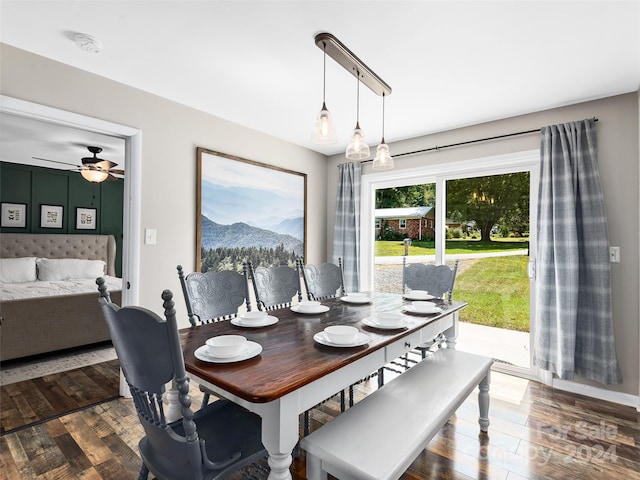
(93, 169)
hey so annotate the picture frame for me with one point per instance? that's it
(14, 215)
(86, 218)
(248, 211)
(51, 216)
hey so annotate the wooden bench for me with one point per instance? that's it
(379, 437)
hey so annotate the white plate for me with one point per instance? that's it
(361, 339)
(412, 309)
(348, 299)
(411, 296)
(320, 309)
(250, 350)
(265, 322)
(372, 322)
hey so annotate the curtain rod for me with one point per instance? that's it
(497, 137)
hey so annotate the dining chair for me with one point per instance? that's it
(275, 287)
(322, 280)
(438, 280)
(214, 296)
(208, 444)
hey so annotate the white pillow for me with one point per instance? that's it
(50, 269)
(18, 270)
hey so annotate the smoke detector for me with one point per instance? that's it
(88, 43)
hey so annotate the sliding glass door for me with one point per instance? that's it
(478, 214)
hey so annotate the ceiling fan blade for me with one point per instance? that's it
(111, 178)
(102, 164)
(56, 161)
(117, 172)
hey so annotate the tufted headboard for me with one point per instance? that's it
(87, 247)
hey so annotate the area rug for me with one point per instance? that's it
(37, 400)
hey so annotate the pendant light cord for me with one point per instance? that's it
(382, 117)
(324, 75)
(358, 99)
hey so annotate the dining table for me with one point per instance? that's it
(290, 366)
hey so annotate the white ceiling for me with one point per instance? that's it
(449, 63)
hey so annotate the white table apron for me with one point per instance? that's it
(280, 417)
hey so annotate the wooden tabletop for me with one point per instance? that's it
(290, 358)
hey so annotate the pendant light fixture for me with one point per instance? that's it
(324, 132)
(382, 160)
(358, 148)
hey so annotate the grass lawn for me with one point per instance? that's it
(390, 248)
(497, 289)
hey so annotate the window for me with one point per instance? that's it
(403, 224)
(377, 224)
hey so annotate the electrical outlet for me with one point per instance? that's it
(614, 254)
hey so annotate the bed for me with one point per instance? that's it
(48, 295)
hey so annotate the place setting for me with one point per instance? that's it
(255, 319)
(359, 298)
(386, 321)
(418, 295)
(341, 336)
(422, 308)
(227, 349)
(309, 307)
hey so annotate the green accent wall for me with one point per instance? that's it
(37, 186)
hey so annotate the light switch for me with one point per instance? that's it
(614, 254)
(150, 235)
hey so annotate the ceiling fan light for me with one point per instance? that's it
(383, 160)
(93, 176)
(358, 148)
(324, 133)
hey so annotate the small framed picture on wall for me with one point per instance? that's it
(51, 216)
(14, 215)
(85, 218)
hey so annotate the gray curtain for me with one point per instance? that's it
(346, 234)
(574, 326)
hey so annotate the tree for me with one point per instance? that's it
(488, 200)
(409, 196)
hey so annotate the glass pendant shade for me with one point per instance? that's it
(382, 160)
(324, 132)
(94, 176)
(357, 148)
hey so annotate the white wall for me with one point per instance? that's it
(618, 158)
(170, 134)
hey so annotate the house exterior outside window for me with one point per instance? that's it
(417, 223)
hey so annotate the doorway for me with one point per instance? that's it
(133, 156)
(488, 255)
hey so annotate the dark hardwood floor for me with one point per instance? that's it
(535, 433)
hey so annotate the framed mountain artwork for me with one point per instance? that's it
(248, 211)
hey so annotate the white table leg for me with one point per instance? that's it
(451, 334)
(483, 402)
(280, 435)
(173, 411)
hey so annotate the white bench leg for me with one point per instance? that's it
(314, 468)
(483, 402)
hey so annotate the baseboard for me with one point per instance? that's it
(599, 393)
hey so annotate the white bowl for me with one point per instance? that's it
(341, 334)
(253, 317)
(419, 293)
(308, 306)
(424, 307)
(389, 319)
(225, 346)
(358, 295)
